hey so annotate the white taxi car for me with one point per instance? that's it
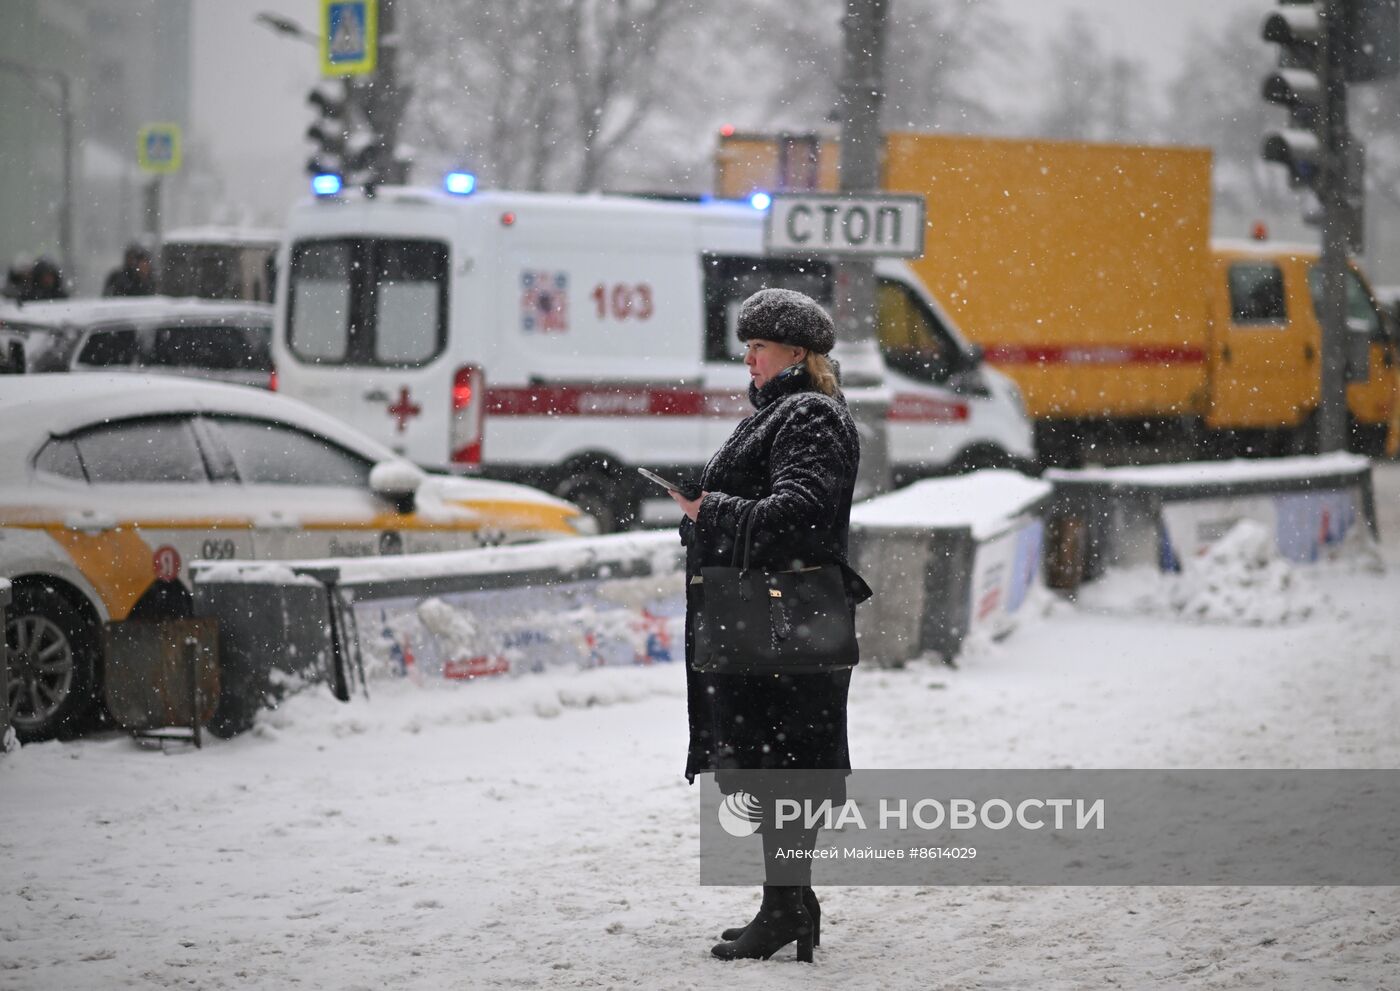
(112, 484)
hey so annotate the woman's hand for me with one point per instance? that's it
(691, 507)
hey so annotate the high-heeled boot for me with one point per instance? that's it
(781, 919)
(814, 911)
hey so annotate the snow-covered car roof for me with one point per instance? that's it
(36, 407)
(133, 309)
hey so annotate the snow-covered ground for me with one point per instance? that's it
(537, 832)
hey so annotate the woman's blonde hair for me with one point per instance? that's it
(821, 372)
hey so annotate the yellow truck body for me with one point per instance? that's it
(1087, 273)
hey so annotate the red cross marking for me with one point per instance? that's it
(403, 409)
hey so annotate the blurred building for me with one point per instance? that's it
(123, 64)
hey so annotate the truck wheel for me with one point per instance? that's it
(1305, 436)
(1366, 438)
(609, 501)
(53, 650)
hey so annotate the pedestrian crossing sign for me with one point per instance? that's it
(349, 36)
(158, 148)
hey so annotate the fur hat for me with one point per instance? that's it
(787, 317)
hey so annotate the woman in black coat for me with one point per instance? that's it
(792, 463)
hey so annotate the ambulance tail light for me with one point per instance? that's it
(468, 405)
(272, 381)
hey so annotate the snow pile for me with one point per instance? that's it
(1242, 580)
(1239, 580)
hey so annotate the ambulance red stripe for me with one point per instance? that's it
(1092, 354)
(612, 400)
(643, 400)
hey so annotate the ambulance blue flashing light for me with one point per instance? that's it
(460, 183)
(760, 201)
(326, 184)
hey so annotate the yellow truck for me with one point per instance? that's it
(1087, 273)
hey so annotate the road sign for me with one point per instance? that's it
(349, 37)
(158, 148)
(826, 224)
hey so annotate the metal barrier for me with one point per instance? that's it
(457, 615)
(947, 557)
(1166, 514)
(276, 626)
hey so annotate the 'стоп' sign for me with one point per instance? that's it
(816, 224)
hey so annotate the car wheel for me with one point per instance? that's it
(52, 653)
(602, 497)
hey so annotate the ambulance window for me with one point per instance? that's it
(911, 341)
(275, 454)
(1362, 317)
(109, 349)
(318, 313)
(1256, 293)
(731, 280)
(159, 449)
(410, 325)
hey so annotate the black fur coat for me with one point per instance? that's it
(794, 461)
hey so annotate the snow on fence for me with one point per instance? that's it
(1167, 515)
(589, 602)
(945, 558)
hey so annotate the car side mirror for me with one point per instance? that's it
(396, 481)
(974, 355)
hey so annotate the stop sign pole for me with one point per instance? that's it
(861, 95)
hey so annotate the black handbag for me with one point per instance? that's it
(752, 621)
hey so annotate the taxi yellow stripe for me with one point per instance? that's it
(117, 562)
(495, 515)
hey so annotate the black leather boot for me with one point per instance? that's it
(781, 919)
(814, 911)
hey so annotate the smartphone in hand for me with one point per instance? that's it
(666, 483)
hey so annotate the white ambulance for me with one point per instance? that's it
(565, 340)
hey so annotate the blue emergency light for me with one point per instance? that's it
(326, 184)
(459, 183)
(760, 201)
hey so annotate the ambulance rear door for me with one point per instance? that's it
(365, 329)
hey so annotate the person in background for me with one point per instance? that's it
(17, 278)
(45, 281)
(135, 277)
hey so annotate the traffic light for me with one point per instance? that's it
(331, 130)
(1323, 46)
(1300, 84)
(347, 145)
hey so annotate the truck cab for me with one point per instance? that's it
(1265, 361)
